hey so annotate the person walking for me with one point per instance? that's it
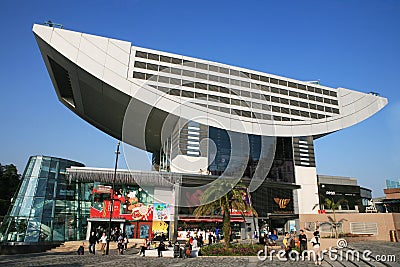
(286, 244)
(315, 241)
(144, 247)
(303, 243)
(160, 248)
(103, 240)
(92, 243)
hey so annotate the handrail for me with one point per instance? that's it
(52, 24)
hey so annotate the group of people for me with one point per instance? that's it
(289, 243)
(101, 238)
(160, 248)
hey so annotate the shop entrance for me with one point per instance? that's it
(138, 229)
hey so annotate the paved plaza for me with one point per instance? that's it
(131, 258)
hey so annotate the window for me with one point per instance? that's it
(223, 70)
(177, 61)
(224, 90)
(213, 68)
(224, 100)
(188, 73)
(163, 79)
(139, 75)
(235, 82)
(175, 81)
(152, 66)
(200, 75)
(275, 99)
(295, 112)
(303, 104)
(200, 86)
(301, 86)
(201, 66)
(264, 88)
(139, 64)
(201, 96)
(255, 77)
(281, 82)
(273, 80)
(213, 78)
(234, 72)
(141, 54)
(275, 90)
(285, 101)
(165, 59)
(176, 92)
(245, 93)
(283, 91)
(244, 84)
(293, 85)
(235, 102)
(176, 71)
(187, 94)
(325, 92)
(264, 79)
(153, 56)
(224, 80)
(304, 114)
(213, 88)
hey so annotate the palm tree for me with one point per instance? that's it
(330, 204)
(217, 201)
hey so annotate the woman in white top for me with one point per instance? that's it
(316, 242)
(103, 240)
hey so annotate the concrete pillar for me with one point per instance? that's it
(89, 230)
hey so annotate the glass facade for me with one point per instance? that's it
(47, 207)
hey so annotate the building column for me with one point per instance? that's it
(89, 230)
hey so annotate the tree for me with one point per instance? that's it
(330, 204)
(9, 181)
(217, 201)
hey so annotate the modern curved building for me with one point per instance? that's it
(194, 114)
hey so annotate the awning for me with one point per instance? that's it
(208, 219)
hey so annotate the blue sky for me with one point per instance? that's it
(352, 44)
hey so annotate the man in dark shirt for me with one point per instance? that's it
(92, 243)
(303, 242)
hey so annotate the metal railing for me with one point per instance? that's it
(52, 24)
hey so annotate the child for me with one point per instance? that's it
(81, 249)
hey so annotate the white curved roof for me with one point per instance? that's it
(211, 93)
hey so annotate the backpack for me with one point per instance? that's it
(317, 241)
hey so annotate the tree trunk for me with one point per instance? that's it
(227, 224)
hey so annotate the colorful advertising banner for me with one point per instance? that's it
(126, 206)
(162, 212)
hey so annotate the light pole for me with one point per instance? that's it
(112, 198)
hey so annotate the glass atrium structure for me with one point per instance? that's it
(47, 207)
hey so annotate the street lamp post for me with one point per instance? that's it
(112, 199)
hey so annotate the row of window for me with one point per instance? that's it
(237, 102)
(222, 89)
(228, 71)
(255, 115)
(244, 113)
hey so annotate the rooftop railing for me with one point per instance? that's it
(52, 24)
